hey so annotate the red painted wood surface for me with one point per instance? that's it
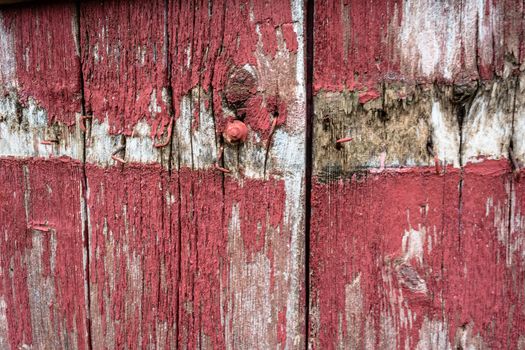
(416, 232)
(42, 254)
(128, 219)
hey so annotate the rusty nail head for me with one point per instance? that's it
(236, 131)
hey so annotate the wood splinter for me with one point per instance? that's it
(48, 142)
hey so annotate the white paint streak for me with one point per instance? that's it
(488, 126)
(4, 326)
(23, 129)
(445, 135)
(518, 139)
(433, 335)
(248, 317)
(444, 39)
(413, 243)
(7, 57)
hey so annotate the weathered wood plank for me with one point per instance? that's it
(132, 206)
(40, 82)
(411, 220)
(43, 261)
(43, 282)
(242, 271)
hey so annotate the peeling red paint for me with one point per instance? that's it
(367, 96)
(459, 274)
(47, 62)
(361, 44)
(212, 40)
(13, 277)
(205, 227)
(124, 63)
(134, 256)
(45, 186)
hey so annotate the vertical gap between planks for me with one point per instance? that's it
(85, 230)
(171, 159)
(308, 158)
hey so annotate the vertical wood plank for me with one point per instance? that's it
(132, 206)
(43, 279)
(242, 242)
(412, 241)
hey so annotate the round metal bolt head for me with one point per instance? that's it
(236, 131)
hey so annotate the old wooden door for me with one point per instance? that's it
(127, 219)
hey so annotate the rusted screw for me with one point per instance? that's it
(236, 131)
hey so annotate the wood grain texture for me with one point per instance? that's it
(415, 238)
(43, 281)
(43, 256)
(40, 82)
(179, 250)
(242, 242)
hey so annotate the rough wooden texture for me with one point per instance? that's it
(194, 245)
(416, 226)
(43, 279)
(133, 257)
(242, 242)
(40, 82)
(43, 294)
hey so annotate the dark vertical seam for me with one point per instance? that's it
(511, 179)
(170, 169)
(85, 233)
(309, 32)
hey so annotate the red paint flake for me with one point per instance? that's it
(268, 38)
(289, 37)
(47, 63)
(366, 96)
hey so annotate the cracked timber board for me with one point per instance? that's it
(181, 253)
(43, 281)
(417, 232)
